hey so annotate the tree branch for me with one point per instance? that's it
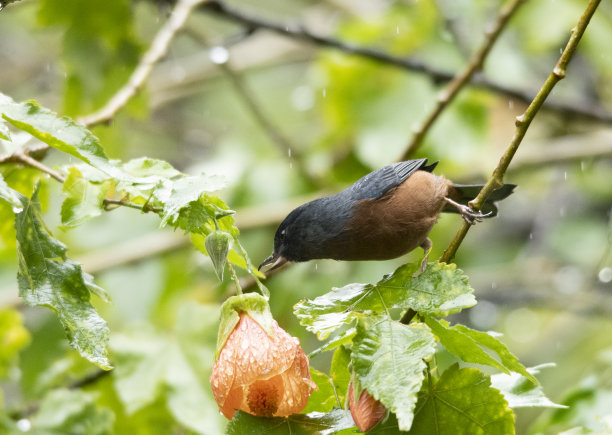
(157, 50)
(475, 63)
(522, 124)
(219, 8)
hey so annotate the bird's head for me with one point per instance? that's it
(288, 241)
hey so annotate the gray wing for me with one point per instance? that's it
(377, 183)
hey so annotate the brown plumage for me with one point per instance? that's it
(383, 215)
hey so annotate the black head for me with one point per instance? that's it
(305, 232)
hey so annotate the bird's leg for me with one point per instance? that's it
(426, 245)
(468, 215)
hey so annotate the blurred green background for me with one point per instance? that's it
(285, 121)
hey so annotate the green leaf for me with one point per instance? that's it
(59, 132)
(462, 398)
(10, 195)
(344, 338)
(72, 412)
(441, 289)
(47, 277)
(84, 200)
(177, 195)
(324, 398)
(13, 338)
(315, 423)
(218, 246)
(467, 344)
(521, 392)
(388, 359)
(174, 368)
(340, 373)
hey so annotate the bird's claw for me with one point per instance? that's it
(472, 216)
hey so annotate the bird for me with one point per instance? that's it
(383, 215)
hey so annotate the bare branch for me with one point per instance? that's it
(447, 95)
(585, 111)
(157, 50)
(522, 124)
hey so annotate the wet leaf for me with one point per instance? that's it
(469, 345)
(521, 392)
(388, 359)
(440, 290)
(47, 277)
(462, 398)
(314, 423)
(9, 195)
(84, 200)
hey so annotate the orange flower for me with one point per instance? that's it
(261, 374)
(367, 411)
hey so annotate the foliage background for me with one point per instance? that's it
(542, 270)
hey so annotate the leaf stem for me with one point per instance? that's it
(522, 124)
(235, 279)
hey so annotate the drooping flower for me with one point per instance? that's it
(261, 373)
(367, 412)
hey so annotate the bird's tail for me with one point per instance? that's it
(463, 193)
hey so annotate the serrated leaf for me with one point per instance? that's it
(466, 344)
(315, 423)
(441, 289)
(84, 200)
(74, 412)
(462, 398)
(47, 277)
(218, 246)
(177, 195)
(343, 338)
(61, 133)
(323, 399)
(10, 195)
(520, 392)
(388, 359)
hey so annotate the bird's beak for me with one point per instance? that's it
(275, 260)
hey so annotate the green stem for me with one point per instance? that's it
(522, 124)
(450, 91)
(235, 279)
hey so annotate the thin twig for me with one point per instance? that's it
(585, 111)
(447, 95)
(522, 124)
(23, 158)
(157, 50)
(145, 208)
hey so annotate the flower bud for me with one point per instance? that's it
(367, 412)
(260, 373)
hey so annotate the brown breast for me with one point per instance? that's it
(395, 223)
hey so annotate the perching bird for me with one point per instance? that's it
(385, 214)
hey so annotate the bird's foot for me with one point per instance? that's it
(472, 216)
(468, 214)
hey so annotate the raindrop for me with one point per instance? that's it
(218, 55)
(324, 92)
(582, 166)
(493, 285)
(290, 165)
(565, 175)
(530, 236)
(397, 29)
(605, 275)
(17, 209)
(289, 152)
(561, 51)
(316, 266)
(511, 104)
(24, 425)
(562, 211)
